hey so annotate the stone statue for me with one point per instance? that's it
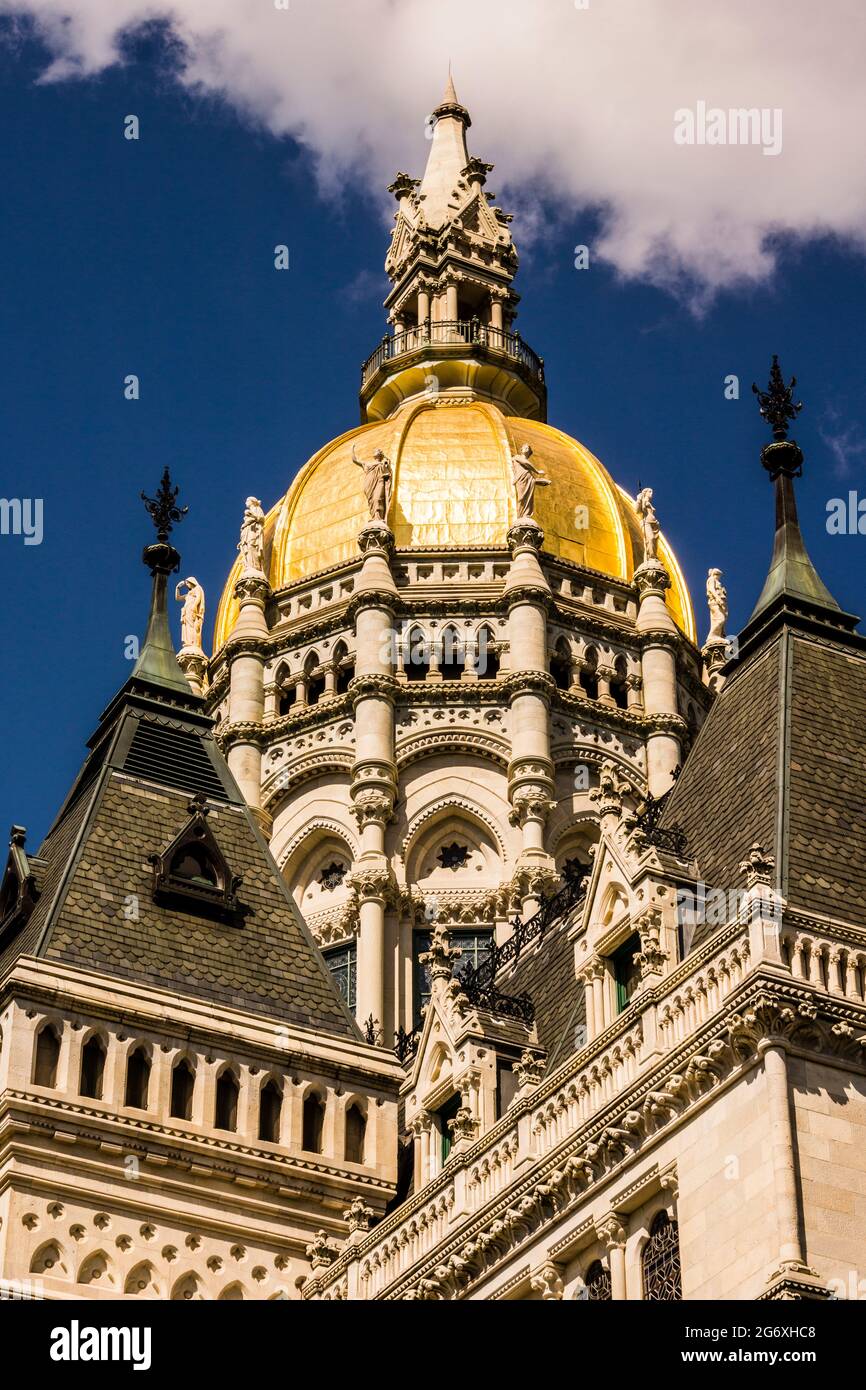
(649, 524)
(252, 542)
(377, 483)
(191, 594)
(526, 479)
(717, 599)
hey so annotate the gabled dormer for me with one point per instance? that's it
(469, 1065)
(193, 873)
(19, 889)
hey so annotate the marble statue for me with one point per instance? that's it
(252, 542)
(717, 600)
(526, 479)
(649, 524)
(191, 594)
(377, 483)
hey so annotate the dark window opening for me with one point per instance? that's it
(270, 1110)
(287, 698)
(314, 1122)
(182, 1084)
(453, 856)
(193, 865)
(47, 1057)
(626, 971)
(444, 1114)
(453, 659)
(618, 686)
(315, 689)
(332, 876)
(226, 1106)
(598, 1284)
(560, 668)
(416, 657)
(345, 673)
(405, 1174)
(137, 1079)
(662, 1274)
(356, 1134)
(486, 657)
(506, 1087)
(92, 1068)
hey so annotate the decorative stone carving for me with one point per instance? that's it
(526, 479)
(548, 1282)
(758, 867)
(529, 1070)
(612, 787)
(252, 542)
(322, 1251)
(717, 601)
(463, 1127)
(651, 957)
(440, 956)
(649, 524)
(359, 1215)
(377, 481)
(191, 594)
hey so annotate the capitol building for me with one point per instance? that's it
(470, 923)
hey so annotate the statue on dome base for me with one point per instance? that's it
(377, 483)
(649, 524)
(191, 594)
(526, 479)
(251, 545)
(717, 601)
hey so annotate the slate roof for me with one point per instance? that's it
(545, 971)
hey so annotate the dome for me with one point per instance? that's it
(453, 490)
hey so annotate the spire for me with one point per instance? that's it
(447, 159)
(157, 662)
(792, 576)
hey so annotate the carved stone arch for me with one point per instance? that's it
(312, 863)
(614, 903)
(187, 1288)
(321, 826)
(141, 1281)
(487, 744)
(96, 1268)
(233, 1293)
(441, 809)
(283, 782)
(437, 1067)
(47, 1043)
(579, 827)
(50, 1258)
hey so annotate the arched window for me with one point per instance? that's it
(416, 656)
(315, 679)
(452, 660)
(137, 1079)
(598, 1285)
(182, 1086)
(560, 665)
(92, 1068)
(344, 667)
(588, 677)
(662, 1272)
(356, 1134)
(287, 689)
(486, 657)
(618, 687)
(314, 1121)
(47, 1056)
(270, 1109)
(226, 1103)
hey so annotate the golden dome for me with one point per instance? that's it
(453, 488)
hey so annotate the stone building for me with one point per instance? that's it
(460, 929)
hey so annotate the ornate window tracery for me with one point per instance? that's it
(598, 1283)
(662, 1270)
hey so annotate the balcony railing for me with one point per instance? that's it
(467, 332)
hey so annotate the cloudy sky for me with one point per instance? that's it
(263, 125)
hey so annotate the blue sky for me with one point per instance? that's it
(155, 257)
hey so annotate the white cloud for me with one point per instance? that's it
(582, 98)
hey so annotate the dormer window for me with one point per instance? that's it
(192, 872)
(18, 888)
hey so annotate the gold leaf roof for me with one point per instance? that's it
(453, 489)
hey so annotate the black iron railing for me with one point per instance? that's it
(646, 823)
(479, 983)
(453, 334)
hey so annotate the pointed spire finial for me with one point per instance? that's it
(163, 509)
(157, 661)
(450, 96)
(777, 404)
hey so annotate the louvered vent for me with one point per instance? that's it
(174, 757)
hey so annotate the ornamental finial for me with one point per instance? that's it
(163, 509)
(777, 404)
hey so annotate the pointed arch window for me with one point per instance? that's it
(416, 656)
(589, 674)
(92, 1068)
(452, 661)
(226, 1101)
(356, 1134)
(344, 668)
(486, 655)
(192, 872)
(618, 686)
(598, 1283)
(270, 1111)
(560, 665)
(182, 1087)
(314, 1123)
(662, 1270)
(315, 679)
(47, 1056)
(137, 1079)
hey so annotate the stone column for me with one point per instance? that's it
(246, 652)
(423, 305)
(374, 774)
(496, 313)
(530, 773)
(451, 300)
(612, 1236)
(786, 1198)
(604, 675)
(660, 640)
